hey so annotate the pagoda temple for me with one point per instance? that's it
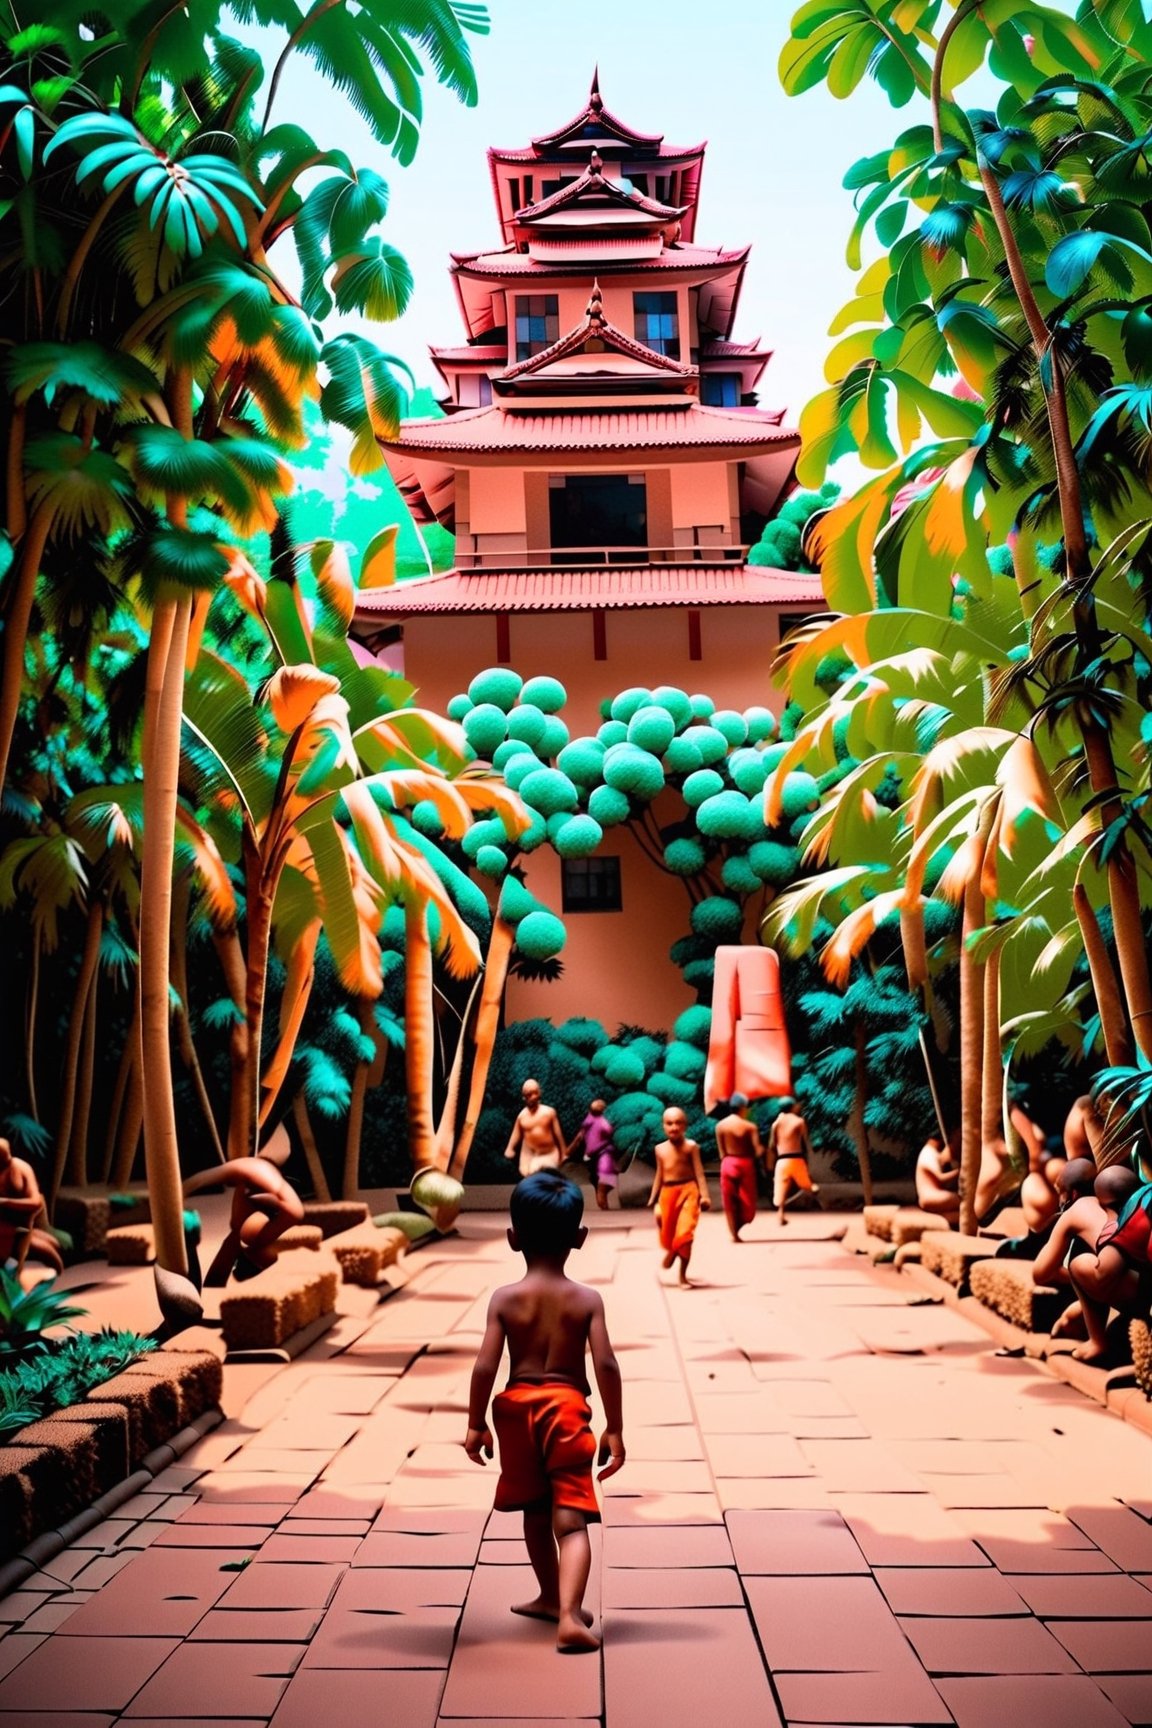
(604, 465)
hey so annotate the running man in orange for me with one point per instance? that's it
(789, 1150)
(542, 1418)
(679, 1192)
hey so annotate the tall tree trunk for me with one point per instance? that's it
(89, 960)
(78, 1143)
(30, 1028)
(21, 595)
(971, 1051)
(186, 1043)
(1109, 1002)
(230, 955)
(857, 1127)
(132, 1120)
(161, 756)
(992, 1123)
(446, 1128)
(311, 1150)
(500, 945)
(259, 939)
(293, 1007)
(360, 1082)
(419, 1035)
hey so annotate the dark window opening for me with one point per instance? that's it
(551, 186)
(599, 511)
(537, 323)
(514, 192)
(591, 885)
(657, 323)
(485, 389)
(640, 182)
(720, 389)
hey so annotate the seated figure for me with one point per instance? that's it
(1112, 1267)
(938, 1179)
(999, 1177)
(22, 1234)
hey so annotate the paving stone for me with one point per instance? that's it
(1122, 1534)
(800, 1542)
(212, 1512)
(859, 1467)
(241, 1680)
(1131, 1694)
(777, 1493)
(509, 1667)
(383, 1638)
(692, 1587)
(659, 1476)
(1107, 1646)
(741, 1413)
(700, 1545)
(1050, 1700)
(356, 1695)
(907, 1530)
(1108, 1596)
(354, 1501)
(83, 1673)
(794, 1617)
(16, 1607)
(961, 1592)
(253, 1487)
(56, 1719)
(162, 1594)
(976, 1646)
(15, 1647)
(235, 1535)
(287, 1546)
(906, 1695)
(717, 1674)
(257, 1625)
(981, 1491)
(281, 1586)
(645, 1509)
(672, 1443)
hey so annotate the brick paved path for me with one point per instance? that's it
(839, 1507)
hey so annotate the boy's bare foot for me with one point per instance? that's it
(668, 1262)
(538, 1609)
(573, 1637)
(1090, 1352)
(782, 1219)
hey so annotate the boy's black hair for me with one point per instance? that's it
(547, 1210)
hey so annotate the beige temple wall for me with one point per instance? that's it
(644, 646)
(616, 965)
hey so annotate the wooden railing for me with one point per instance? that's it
(582, 557)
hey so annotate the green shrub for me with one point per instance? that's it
(733, 726)
(586, 1036)
(718, 919)
(534, 835)
(517, 770)
(629, 702)
(711, 743)
(582, 760)
(549, 792)
(540, 936)
(773, 863)
(699, 975)
(800, 794)
(623, 1068)
(685, 857)
(427, 819)
(607, 806)
(704, 783)
(672, 1090)
(683, 1060)
(676, 702)
(702, 706)
(529, 724)
(652, 728)
(458, 707)
(485, 728)
(498, 685)
(578, 837)
(682, 756)
(25, 1315)
(633, 771)
(729, 816)
(612, 732)
(761, 724)
(62, 1372)
(547, 693)
(748, 770)
(736, 873)
(504, 753)
(489, 832)
(693, 1026)
(491, 861)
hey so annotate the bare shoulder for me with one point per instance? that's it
(583, 1299)
(499, 1301)
(692, 1147)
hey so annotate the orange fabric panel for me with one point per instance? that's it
(748, 1050)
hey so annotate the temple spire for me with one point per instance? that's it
(595, 100)
(595, 312)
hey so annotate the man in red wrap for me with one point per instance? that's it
(738, 1142)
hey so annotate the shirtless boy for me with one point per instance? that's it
(21, 1205)
(738, 1142)
(679, 1192)
(1112, 1268)
(537, 1135)
(264, 1205)
(789, 1150)
(542, 1418)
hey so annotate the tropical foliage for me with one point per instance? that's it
(156, 210)
(991, 584)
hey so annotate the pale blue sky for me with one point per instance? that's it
(772, 175)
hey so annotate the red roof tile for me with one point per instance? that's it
(511, 263)
(593, 184)
(494, 428)
(611, 587)
(595, 327)
(594, 114)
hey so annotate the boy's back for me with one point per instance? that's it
(546, 1319)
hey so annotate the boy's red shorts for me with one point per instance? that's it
(546, 1448)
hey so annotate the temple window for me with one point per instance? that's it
(598, 516)
(657, 323)
(720, 389)
(591, 885)
(537, 323)
(514, 192)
